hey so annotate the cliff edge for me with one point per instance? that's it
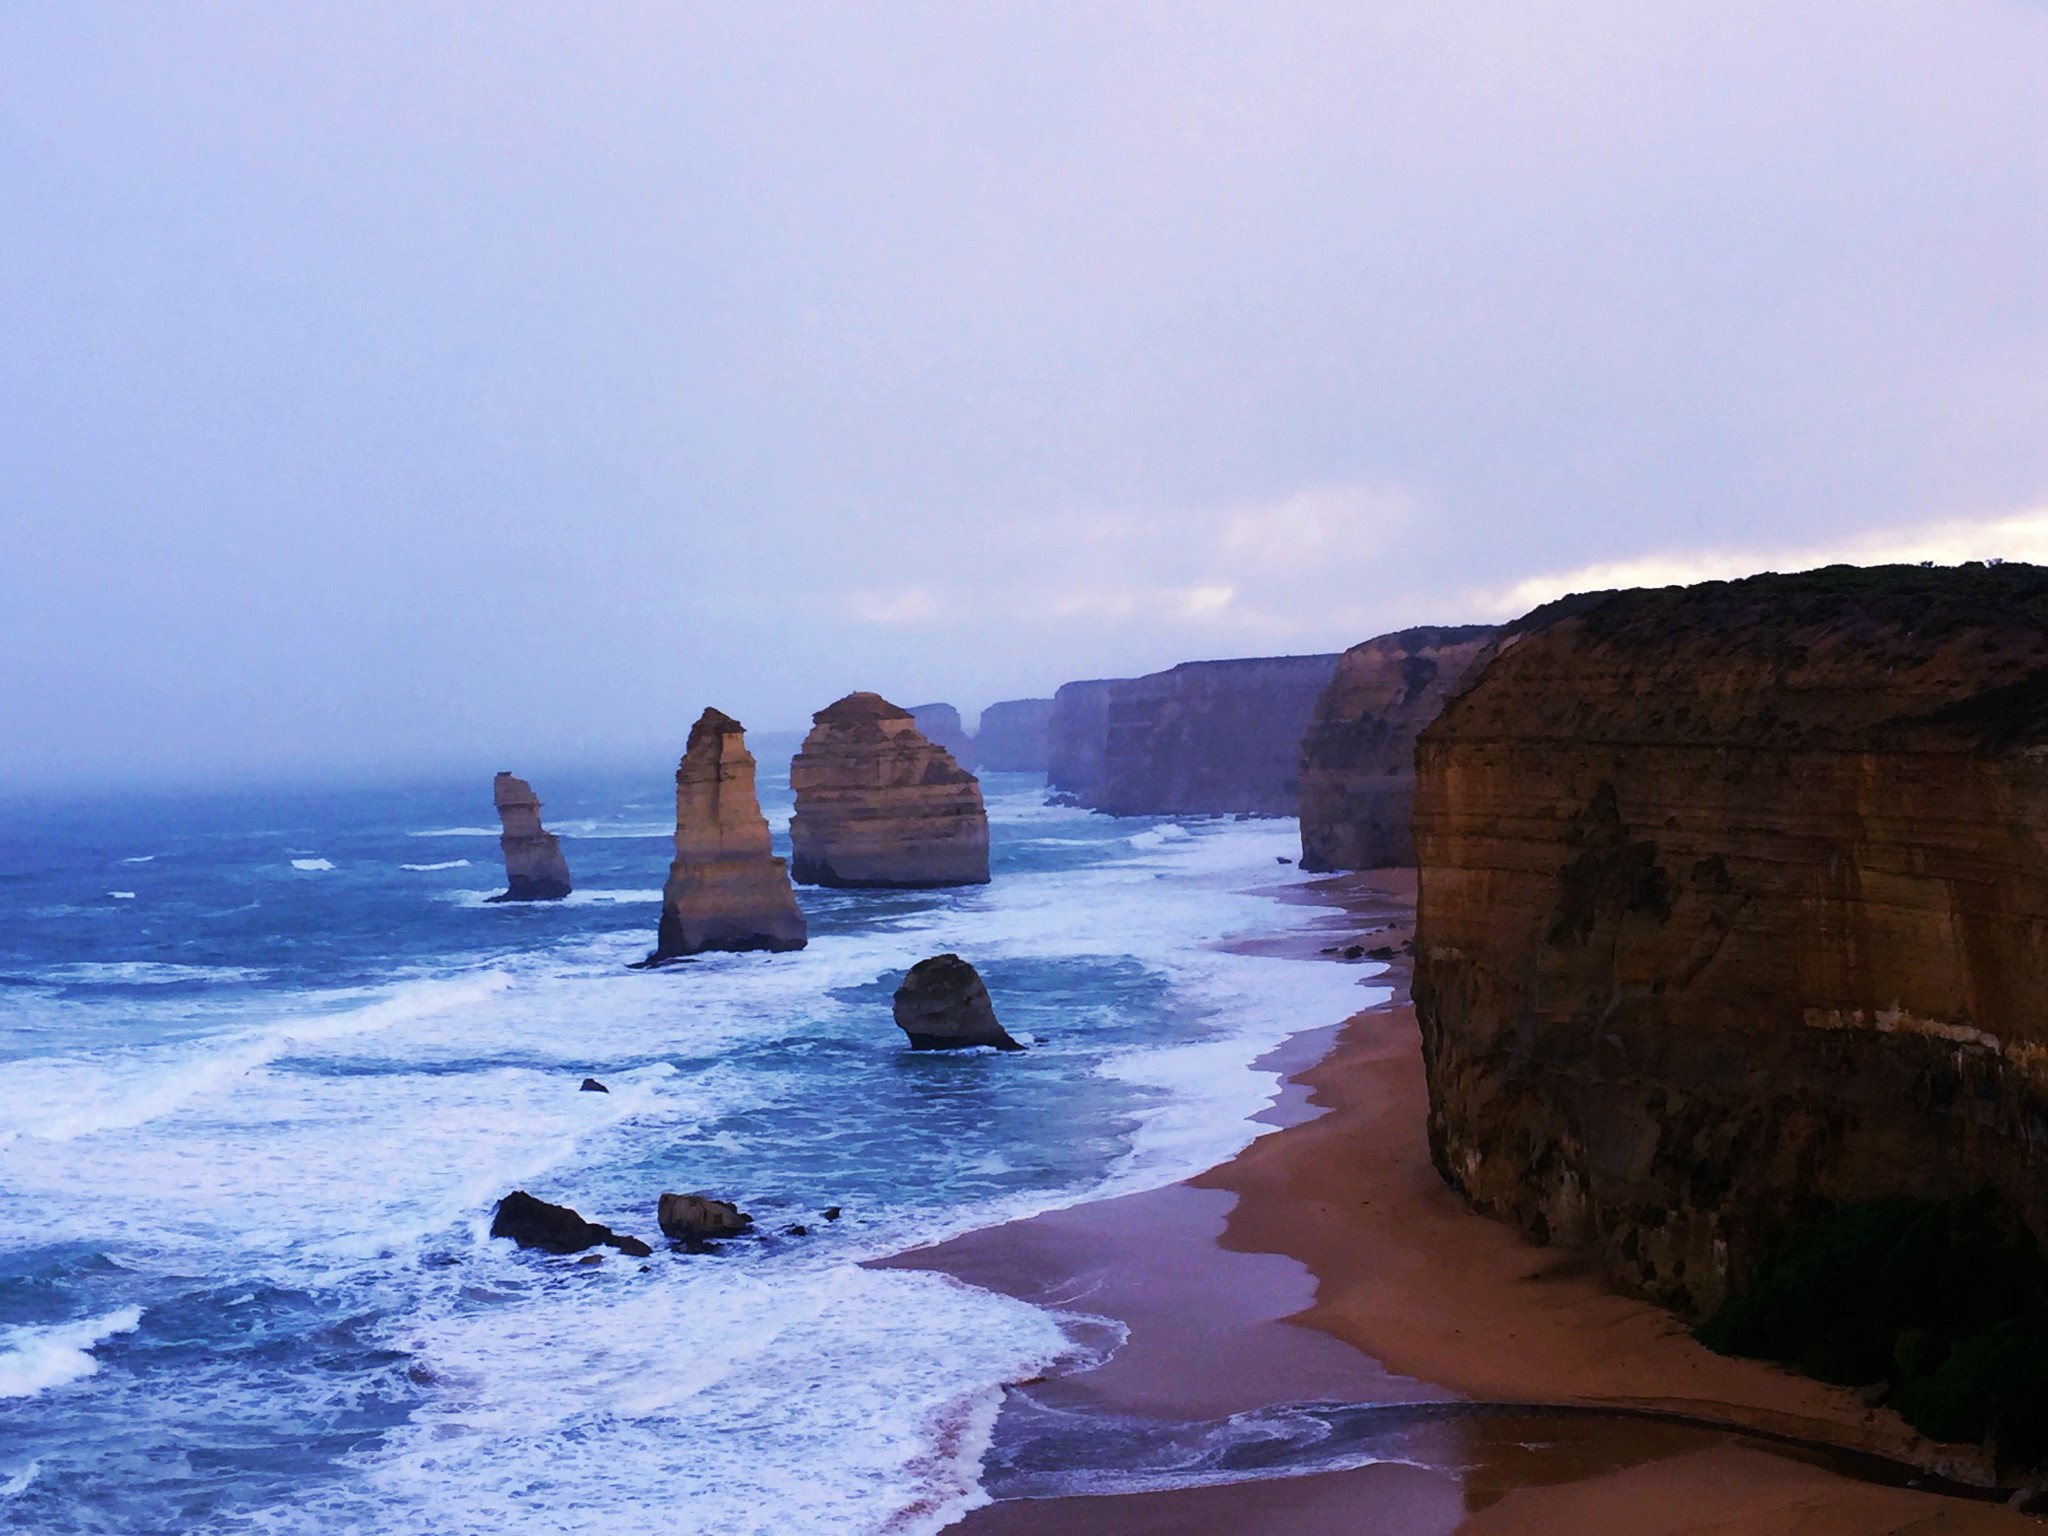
(1734, 910)
(1358, 756)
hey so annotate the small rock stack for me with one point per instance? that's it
(534, 867)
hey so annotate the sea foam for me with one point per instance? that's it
(33, 1360)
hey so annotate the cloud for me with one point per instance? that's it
(902, 606)
(2010, 536)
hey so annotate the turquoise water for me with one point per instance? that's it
(271, 1060)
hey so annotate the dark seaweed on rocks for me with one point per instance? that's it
(1945, 1302)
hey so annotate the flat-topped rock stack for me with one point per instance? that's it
(878, 804)
(534, 867)
(726, 890)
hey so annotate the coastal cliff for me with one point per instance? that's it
(880, 805)
(1358, 757)
(1734, 910)
(941, 724)
(1205, 738)
(725, 890)
(534, 867)
(1012, 737)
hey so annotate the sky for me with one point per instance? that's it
(398, 387)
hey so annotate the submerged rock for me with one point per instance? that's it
(534, 867)
(533, 1223)
(725, 890)
(699, 1218)
(878, 804)
(592, 1085)
(943, 1006)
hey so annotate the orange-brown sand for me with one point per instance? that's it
(1454, 1303)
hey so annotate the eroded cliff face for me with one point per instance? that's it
(534, 867)
(941, 725)
(725, 890)
(1734, 906)
(878, 804)
(1205, 738)
(1013, 737)
(1358, 756)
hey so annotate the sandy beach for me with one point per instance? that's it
(1328, 1264)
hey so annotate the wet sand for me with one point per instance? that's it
(1328, 1262)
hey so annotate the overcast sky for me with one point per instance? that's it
(398, 386)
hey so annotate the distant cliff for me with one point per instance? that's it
(1076, 734)
(1202, 738)
(942, 726)
(1358, 758)
(1734, 907)
(1013, 737)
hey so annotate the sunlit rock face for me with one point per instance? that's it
(879, 804)
(1012, 737)
(1734, 906)
(534, 867)
(725, 890)
(1358, 758)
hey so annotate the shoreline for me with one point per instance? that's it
(1327, 1263)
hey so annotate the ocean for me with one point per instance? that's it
(271, 1060)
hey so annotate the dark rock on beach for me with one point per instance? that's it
(533, 1223)
(943, 1006)
(699, 1218)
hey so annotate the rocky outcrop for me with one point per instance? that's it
(1076, 738)
(534, 867)
(726, 890)
(880, 805)
(533, 1223)
(1013, 737)
(1358, 757)
(1734, 909)
(942, 726)
(1205, 738)
(943, 1006)
(700, 1218)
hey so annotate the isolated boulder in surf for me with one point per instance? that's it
(943, 1006)
(534, 867)
(699, 1218)
(534, 1223)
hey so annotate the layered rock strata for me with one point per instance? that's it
(878, 804)
(1358, 756)
(1734, 908)
(1012, 737)
(534, 867)
(726, 890)
(943, 1005)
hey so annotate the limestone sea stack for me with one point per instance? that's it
(1733, 904)
(1358, 758)
(1012, 737)
(726, 890)
(878, 804)
(943, 1005)
(534, 867)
